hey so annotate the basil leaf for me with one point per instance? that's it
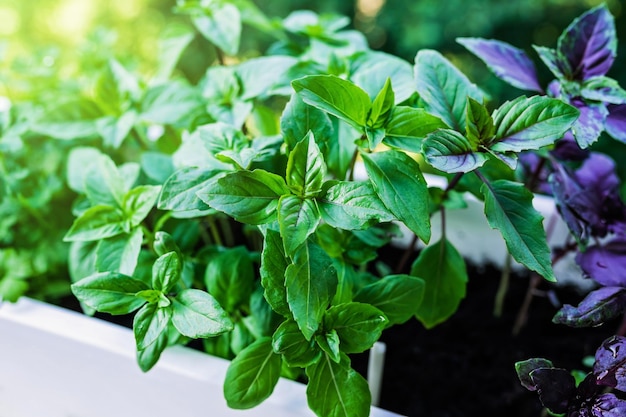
(400, 185)
(509, 208)
(397, 296)
(110, 292)
(289, 341)
(120, 253)
(311, 282)
(443, 270)
(337, 390)
(299, 118)
(197, 314)
(450, 151)
(139, 201)
(229, 277)
(358, 325)
(149, 356)
(166, 272)
(96, 223)
(306, 169)
(149, 323)
(336, 96)
(221, 27)
(329, 344)
(252, 375)
(298, 218)
(382, 106)
(179, 191)
(273, 266)
(406, 126)
(247, 196)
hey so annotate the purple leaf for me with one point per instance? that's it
(590, 123)
(615, 123)
(589, 43)
(610, 365)
(565, 189)
(608, 405)
(506, 61)
(524, 368)
(556, 388)
(567, 149)
(597, 307)
(605, 264)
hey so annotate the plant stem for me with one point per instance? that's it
(406, 255)
(214, 232)
(503, 288)
(522, 314)
(355, 155)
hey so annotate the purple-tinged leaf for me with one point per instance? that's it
(554, 89)
(556, 63)
(598, 173)
(589, 44)
(596, 308)
(567, 149)
(603, 89)
(556, 388)
(608, 405)
(590, 124)
(524, 368)
(506, 61)
(610, 365)
(605, 264)
(449, 151)
(564, 190)
(615, 123)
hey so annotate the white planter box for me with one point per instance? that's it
(59, 363)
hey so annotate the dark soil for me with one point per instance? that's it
(465, 366)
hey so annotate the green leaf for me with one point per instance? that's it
(221, 25)
(172, 44)
(139, 201)
(119, 253)
(289, 342)
(259, 75)
(531, 123)
(337, 390)
(110, 292)
(336, 96)
(166, 272)
(604, 89)
(443, 88)
(554, 60)
(171, 103)
(252, 375)
(311, 282)
(397, 296)
(400, 185)
(299, 118)
(274, 263)
(358, 325)
(104, 183)
(11, 289)
(229, 277)
(480, 128)
(114, 130)
(449, 151)
(78, 162)
(352, 205)
(306, 169)
(149, 324)
(247, 196)
(329, 344)
(96, 223)
(406, 127)
(509, 208)
(197, 314)
(179, 191)
(443, 270)
(297, 218)
(382, 106)
(148, 357)
(370, 70)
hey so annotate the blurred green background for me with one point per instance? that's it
(73, 34)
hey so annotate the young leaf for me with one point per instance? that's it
(221, 26)
(443, 88)
(443, 270)
(336, 96)
(507, 62)
(399, 183)
(328, 342)
(139, 201)
(104, 183)
(337, 390)
(114, 130)
(229, 277)
(590, 123)
(110, 292)
(596, 308)
(450, 151)
(197, 314)
(274, 263)
(299, 118)
(311, 282)
(480, 128)
(149, 323)
(306, 169)
(358, 325)
(166, 272)
(589, 44)
(289, 342)
(509, 208)
(610, 365)
(531, 123)
(381, 106)
(179, 191)
(297, 218)
(252, 375)
(524, 368)
(96, 223)
(397, 296)
(247, 196)
(406, 126)
(352, 205)
(120, 253)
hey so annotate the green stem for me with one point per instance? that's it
(161, 222)
(503, 288)
(214, 231)
(355, 155)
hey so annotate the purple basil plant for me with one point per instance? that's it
(585, 187)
